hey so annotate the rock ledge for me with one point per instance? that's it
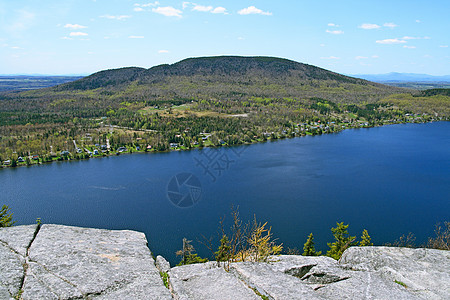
(64, 262)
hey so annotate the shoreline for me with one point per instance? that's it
(112, 154)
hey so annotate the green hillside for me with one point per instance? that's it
(210, 101)
(222, 78)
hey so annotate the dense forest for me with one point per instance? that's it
(212, 101)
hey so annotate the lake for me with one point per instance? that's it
(389, 180)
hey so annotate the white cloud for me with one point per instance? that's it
(391, 41)
(418, 21)
(369, 26)
(16, 48)
(409, 47)
(361, 57)
(138, 9)
(186, 4)
(241, 38)
(168, 11)
(390, 25)
(219, 10)
(121, 17)
(330, 57)
(78, 33)
(156, 3)
(136, 37)
(375, 56)
(415, 38)
(253, 10)
(322, 45)
(335, 31)
(74, 26)
(163, 51)
(333, 25)
(66, 38)
(202, 8)
(443, 46)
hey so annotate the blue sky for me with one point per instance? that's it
(351, 37)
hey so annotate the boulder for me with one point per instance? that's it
(162, 264)
(207, 281)
(65, 262)
(422, 272)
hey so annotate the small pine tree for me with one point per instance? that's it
(6, 217)
(343, 241)
(365, 239)
(223, 253)
(188, 254)
(308, 247)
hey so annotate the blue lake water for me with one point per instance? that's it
(390, 180)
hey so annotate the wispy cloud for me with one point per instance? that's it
(333, 25)
(74, 26)
(168, 11)
(156, 3)
(369, 26)
(136, 37)
(415, 38)
(219, 10)
(391, 41)
(335, 31)
(253, 10)
(163, 51)
(186, 4)
(409, 47)
(120, 17)
(361, 57)
(141, 7)
(443, 46)
(390, 25)
(202, 8)
(78, 33)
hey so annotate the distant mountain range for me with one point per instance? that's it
(402, 77)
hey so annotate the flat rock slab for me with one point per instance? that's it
(70, 262)
(424, 272)
(63, 262)
(207, 281)
(14, 243)
(272, 284)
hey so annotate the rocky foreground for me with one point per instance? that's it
(62, 262)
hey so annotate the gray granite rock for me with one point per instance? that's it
(425, 272)
(14, 242)
(207, 281)
(18, 238)
(162, 264)
(84, 262)
(63, 262)
(272, 284)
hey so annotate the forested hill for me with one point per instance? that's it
(218, 69)
(221, 78)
